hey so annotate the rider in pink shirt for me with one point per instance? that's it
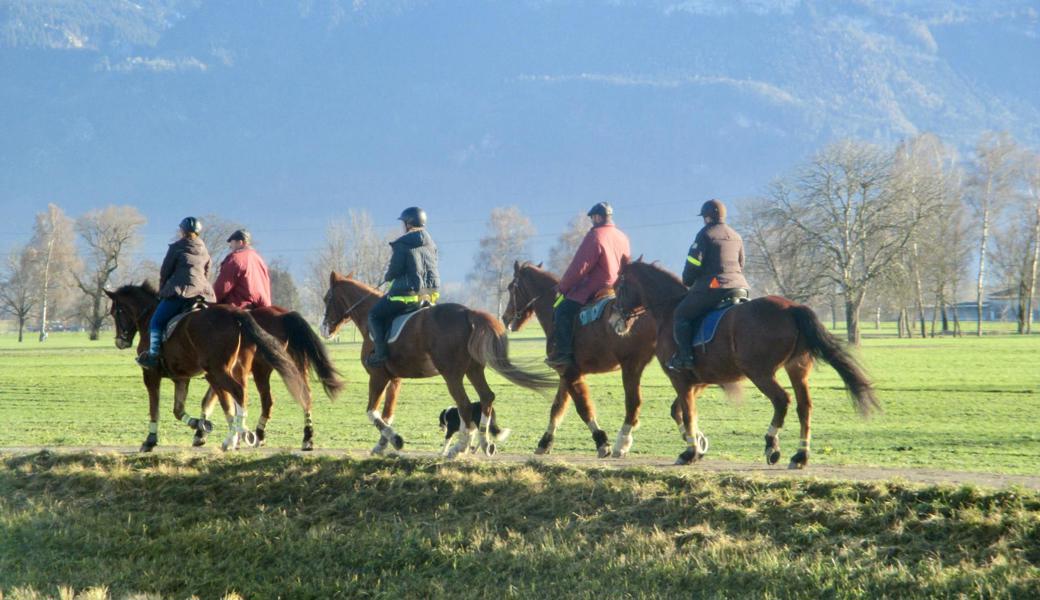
(243, 279)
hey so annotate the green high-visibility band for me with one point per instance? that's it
(693, 261)
(415, 298)
(559, 299)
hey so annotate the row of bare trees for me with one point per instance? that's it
(900, 228)
(61, 273)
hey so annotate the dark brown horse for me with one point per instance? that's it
(753, 340)
(307, 351)
(598, 348)
(448, 339)
(220, 342)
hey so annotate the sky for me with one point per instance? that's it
(284, 115)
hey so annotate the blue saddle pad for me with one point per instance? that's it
(709, 324)
(590, 313)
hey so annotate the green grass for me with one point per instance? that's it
(320, 527)
(963, 404)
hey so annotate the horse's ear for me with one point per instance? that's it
(540, 265)
(334, 277)
(640, 259)
(625, 260)
(111, 295)
(350, 275)
(516, 267)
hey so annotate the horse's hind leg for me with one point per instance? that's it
(559, 406)
(224, 382)
(377, 383)
(633, 402)
(689, 428)
(151, 383)
(772, 389)
(467, 429)
(487, 399)
(204, 426)
(389, 405)
(798, 371)
(586, 408)
(262, 378)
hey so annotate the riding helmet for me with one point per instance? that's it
(601, 208)
(191, 225)
(413, 216)
(714, 209)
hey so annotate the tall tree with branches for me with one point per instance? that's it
(53, 252)
(108, 236)
(19, 290)
(505, 240)
(562, 251)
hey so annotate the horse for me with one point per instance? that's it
(306, 350)
(447, 339)
(219, 341)
(753, 340)
(598, 348)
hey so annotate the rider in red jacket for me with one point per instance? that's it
(595, 267)
(243, 279)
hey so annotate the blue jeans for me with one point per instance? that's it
(168, 308)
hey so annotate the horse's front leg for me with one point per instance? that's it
(556, 412)
(377, 385)
(467, 428)
(180, 397)
(478, 379)
(696, 442)
(633, 402)
(151, 383)
(205, 426)
(587, 411)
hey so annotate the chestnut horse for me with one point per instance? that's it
(753, 340)
(598, 348)
(447, 339)
(306, 350)
(219, 341)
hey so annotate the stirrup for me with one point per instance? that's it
(148, 360)
(375, 360)
(559, 360)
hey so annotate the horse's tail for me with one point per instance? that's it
(307, 349)
(825, 346)
(489, 345)
(271, 350)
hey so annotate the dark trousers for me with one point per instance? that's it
(563, 327)
(695, 305)
(380, 317)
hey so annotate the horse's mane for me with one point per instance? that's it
(662, 280)
(360, 284)
(145, 291)
(540, 272)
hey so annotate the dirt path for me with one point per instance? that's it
(847, 472)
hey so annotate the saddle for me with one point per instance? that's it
(709, 323)
(591, 312)
(400, 321)
(197, 304)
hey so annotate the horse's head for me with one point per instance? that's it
(523, 293)
(130, 304)
(628, 291)
(341, 299)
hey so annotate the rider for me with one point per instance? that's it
(594, 268)
(184, 276)
(243, 279)
(714, 268)
(413, 276)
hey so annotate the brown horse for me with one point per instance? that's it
(307, 351)
(448, 339)
(753, 340)
(598, 348)
(220, 342)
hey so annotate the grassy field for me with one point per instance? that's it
(963, 404)
(320, 527)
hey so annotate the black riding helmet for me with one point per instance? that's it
(191, 225)
(413, 216)
(601, 208)
(714, 209)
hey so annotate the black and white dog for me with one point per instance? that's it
(451, 423)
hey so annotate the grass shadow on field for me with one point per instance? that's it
(322, 527)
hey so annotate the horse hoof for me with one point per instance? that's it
(618, 454)
(150, 442)
(308, 445)
(539, 451)
(205, 425)
(490, 449)
(772, 456)
(249, 438)
(398, 442)
(688, 457)
(261, 438)
(146, 447)
(199, 441)
(603, 451)
(545, 444)
(799, 460)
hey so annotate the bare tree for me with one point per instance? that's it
(107, 235)
(1011, 255)
(563, 250)
(781, 259)
(54, 257)
(845, 203)
(992, 180)
(19, 290)
(283, 288)
(506, 239)
(351, 245)
(1032, 172)
(215, 232)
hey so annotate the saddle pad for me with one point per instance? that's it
(176, 320)
(710, 323)
(592, 312)
(398, 325)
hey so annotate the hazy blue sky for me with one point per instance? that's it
(282, 115)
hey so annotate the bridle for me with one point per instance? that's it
(122, 333)
(627, 315)
(518, 313)
(346, 313)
